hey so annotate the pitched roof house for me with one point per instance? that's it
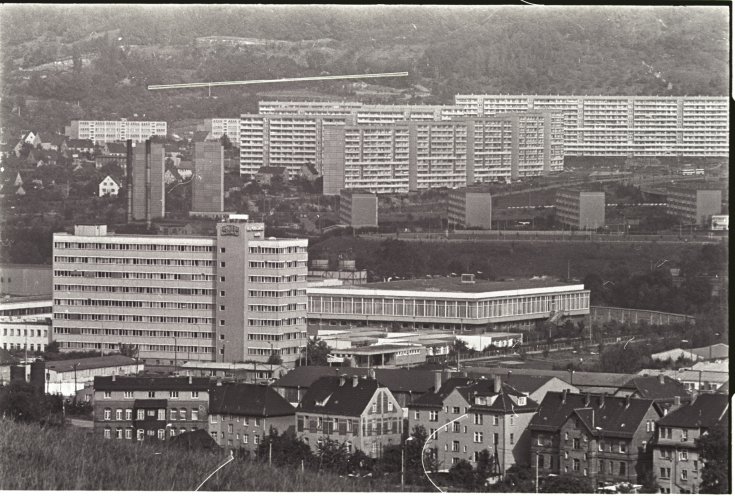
(662, 389)
(356, 410)
(240, 415)
(600, 437)
(466, 416)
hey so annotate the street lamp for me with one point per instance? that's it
(403, 462)
(426, 444)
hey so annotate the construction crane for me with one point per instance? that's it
(266, 81)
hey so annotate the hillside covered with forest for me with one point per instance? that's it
(66, 62)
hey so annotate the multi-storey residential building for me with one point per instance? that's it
(25, 333)
(464, 416)
(695, 203)
(25, 321)
(229, 127)
(421, 154)
(208, 178)
(358, 208)
(635, 126)
(447, 303)
(677, 463)
(470, 209)
(232, 297)
(603, 438)
(357, 411)
(145, 176)
(149, 408)
(283, 140)
(364, 113)
(122, 130)
(580, 209)
(241, 415)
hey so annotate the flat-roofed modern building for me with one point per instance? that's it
(231, 297)
(122, 130)
(627, 126)
(420, 154)
(470, 209)
(218, 127)
(580, 209)
(358, 208)
(145, 176)
(447, 303)
(208, 178)
(694, 203)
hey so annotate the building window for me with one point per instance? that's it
(455, 409)
(161, 434)
(511, 438)
(575, 465)
(173, 394)
(128, 433)
(128, 414)
(416, 415)
(478, 419)
(256, 439)
(195, 394)
(244, 439)
(151, 394)
(576, 443)
(622, 448)
(128, 394)
(118, 414)
(495, 438)
(684, 455)
(478, 437)
(118, 433)
(455, 427)
(496, 419)
(173, 414)
(684, 434)
(455, 446)
(140, 433)
(623, 468)
(107, 414)
(107, 433)
(141, 414)
(108, 395)
(194, 414)
(433, 416)
(182, 414)
(161, 414)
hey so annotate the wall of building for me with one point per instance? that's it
(245, 432)
(31, 335)
(25, 280)
(208, 178)
(478, 210)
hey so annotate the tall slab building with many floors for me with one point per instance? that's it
(235, 296)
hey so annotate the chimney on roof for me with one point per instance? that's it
(191, 380)
(677, 400)
(497, 384)
(602, 399)
(371, 373)
(694, 394)
(219, 382)
(437, 380)
(342, 380)
(660, 378)
(355, 380)
(627, 401)
(113, 377)
(586, 399)
(564, 396)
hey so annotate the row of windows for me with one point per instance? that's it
(162, 276)
(261, 264)
(175, 414)
(158, 319)
(277, 294)
(26, 332)
(88, 302)
(136, 261)
(132, 247)
(237, 419)
(276, 322)
(150, 394)
(277, 337)
(92, 331)
(268, 250)
(245, 437)
(22, 346)
(277, 308)
(137, 290)
(143, 347)
(277, 279)
(267, 351)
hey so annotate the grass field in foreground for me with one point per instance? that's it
(33, 458)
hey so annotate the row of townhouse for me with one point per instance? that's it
(535, 421)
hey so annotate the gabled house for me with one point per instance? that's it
(466, 416)
(604, 438)
(266, 175)
(355, 410)
(677, 464)
(55, 142)
(661, 389)
(536, 386)
(240, 415)
(405, 384)
(108, 187)
(81, 146)
(30, 138)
